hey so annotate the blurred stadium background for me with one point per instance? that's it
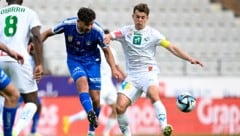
(202, 28)
(206, 29)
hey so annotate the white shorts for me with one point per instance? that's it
(135, 84)
(108, 94)
(20, 75)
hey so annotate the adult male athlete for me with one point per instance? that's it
(139, 43)
(16, 25)
(108, 96)
(82, 38)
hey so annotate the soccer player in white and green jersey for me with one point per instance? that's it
(139, 43)
(16, 25)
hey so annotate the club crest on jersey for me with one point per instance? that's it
(70, 38)
(88, 43)
(146, 39)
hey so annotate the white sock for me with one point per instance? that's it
(2, 99)
(123, 124)
(92, 133)
(78, 116)
(160, 112)
(110, 124)
(25, 118)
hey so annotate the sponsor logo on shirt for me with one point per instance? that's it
(88, 43)
(70, 38)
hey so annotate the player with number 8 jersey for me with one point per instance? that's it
(17, 24)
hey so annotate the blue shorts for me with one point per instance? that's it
(91, 70)
(4, 80)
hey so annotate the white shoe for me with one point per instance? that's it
(126, 131)
(91, 133)
(106, 133)
(167, 131)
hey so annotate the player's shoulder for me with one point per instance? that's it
(26, 8)
(154, 31)
(70, 20)
(17, 8)
(97, 28)
(151, 29)
(128, 27)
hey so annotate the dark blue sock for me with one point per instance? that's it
(97, 112)
(35, 123)
(8, 120)
(35, 119)
(86, 101)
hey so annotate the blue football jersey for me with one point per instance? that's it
(81, 46)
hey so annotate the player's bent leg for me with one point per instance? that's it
(160, 110)
(111, 120)
(95, 95)
(68, 120)
(122, 103)
(11, 95)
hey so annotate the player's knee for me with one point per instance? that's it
(120, 109)
(14, 96)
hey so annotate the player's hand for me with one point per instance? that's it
(118, 75)
(38, 72)
(107, 38)
(194, 61)
(16, 56)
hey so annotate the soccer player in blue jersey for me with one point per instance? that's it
(82, 38)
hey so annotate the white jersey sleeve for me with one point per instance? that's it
(15, 28)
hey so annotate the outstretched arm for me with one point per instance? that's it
(12, 53)
(181, 54)
(46, 34)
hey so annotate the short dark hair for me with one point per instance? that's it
(106, 31)
(142, 7)
(86, 15)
